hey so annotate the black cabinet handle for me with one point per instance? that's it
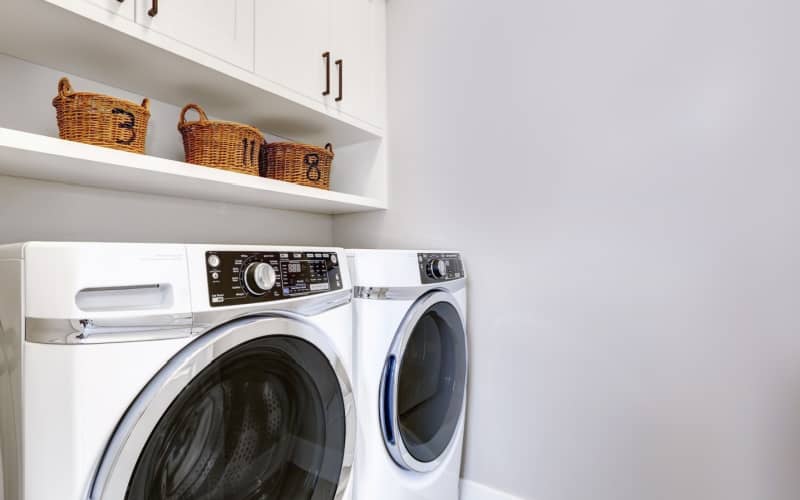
(154, 9)
(327, 57)
(120, 1)
(341, 70)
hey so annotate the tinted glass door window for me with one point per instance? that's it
(264, 421)
(431, 382)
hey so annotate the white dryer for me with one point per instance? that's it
(150, 371)
(410, 373)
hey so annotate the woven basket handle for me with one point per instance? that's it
(196, 107)
(64, 87)
(65, 90)
(329, 147)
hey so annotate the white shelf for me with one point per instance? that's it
(39, 157)
(116, 51)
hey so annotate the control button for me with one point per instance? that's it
(437, 268)
(215, 275)
(334, 259)
(259, 277)
(213, 260)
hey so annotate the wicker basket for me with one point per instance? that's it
(302, 164)
(224, 145)
(101, 120)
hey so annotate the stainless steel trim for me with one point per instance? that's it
(167, 326)
(406, 292)
(105, 330)
(398, 449)
(303, 306)
(131, 435)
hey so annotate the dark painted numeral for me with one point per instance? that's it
(313, 173)
(248, 152)
(126, 125)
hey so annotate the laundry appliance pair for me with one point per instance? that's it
(168, 371)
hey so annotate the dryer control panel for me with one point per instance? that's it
(438, 267)
(236, 278)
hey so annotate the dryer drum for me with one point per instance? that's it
(424, 390)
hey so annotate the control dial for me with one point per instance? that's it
(259, 278)
(437, 268)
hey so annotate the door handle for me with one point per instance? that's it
(387, 407)
(341, 70)
(327, 57)
(154, 9)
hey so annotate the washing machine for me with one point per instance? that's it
(167, 371)
(410, 373)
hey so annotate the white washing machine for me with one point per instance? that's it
(150, 371)
(410, 373)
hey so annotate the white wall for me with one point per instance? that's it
(622, 178)
(32, 209)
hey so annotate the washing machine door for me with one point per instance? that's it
(260, 408)
(424, 383)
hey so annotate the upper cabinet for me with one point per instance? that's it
(326, 55)
(290, 42)
(331, 51)
(356, 30)
(222, 28)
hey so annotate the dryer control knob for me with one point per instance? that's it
(437, 268)
(259, 277)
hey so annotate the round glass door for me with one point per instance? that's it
(265, 420)
(425, 382)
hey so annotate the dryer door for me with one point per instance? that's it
(258, 408)
(424, 383)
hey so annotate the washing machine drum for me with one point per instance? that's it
(253, 411)
(251, 426)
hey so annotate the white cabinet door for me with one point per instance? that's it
(222, 28)
(356, 29)
(291, 37)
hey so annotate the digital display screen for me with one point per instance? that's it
(295, 267)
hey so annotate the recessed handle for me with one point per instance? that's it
(154, 9)
(125, 298)
(327, 57)
(387, 409)
(340, 64)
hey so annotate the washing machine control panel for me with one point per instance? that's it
(236, 278)
(438, 267)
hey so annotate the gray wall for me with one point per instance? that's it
(31, 210)
(622, 178)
